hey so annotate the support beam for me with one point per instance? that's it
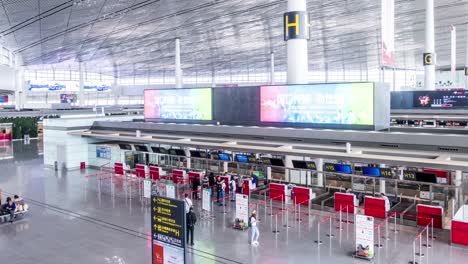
(296, 29)
(429, 62)
(272, 68)
(178, 67)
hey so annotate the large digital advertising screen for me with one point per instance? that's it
(181, 104)
(344, 103)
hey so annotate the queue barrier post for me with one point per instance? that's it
(276, 231)
(318, 241)
(339, 227)
(378, 245)
(330, 234)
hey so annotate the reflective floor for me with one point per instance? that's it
(74, 219)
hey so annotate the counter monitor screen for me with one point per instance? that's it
(426, 177)
(224, 157)
(242, 158)
(370, 171)
(299, 164)
(277, 162)
(159, 150)
(343, 168)
(125, 146)
(195, 154)
(177, 152)
(141, 148)
(252, 159)
(266, 161)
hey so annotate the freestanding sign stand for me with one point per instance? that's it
(168, 230)
(364, 237)
(242, 212)
(170, 190)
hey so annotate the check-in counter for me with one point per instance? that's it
(460, 227)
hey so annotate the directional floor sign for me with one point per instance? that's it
(168, 230)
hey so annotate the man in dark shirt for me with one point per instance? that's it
(195, 185)
(211, 180)
(191, 220)
(10, 207)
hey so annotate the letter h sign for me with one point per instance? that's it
(296, 25)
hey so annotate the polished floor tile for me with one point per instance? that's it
(74, 219)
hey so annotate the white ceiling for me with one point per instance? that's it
(137, 36)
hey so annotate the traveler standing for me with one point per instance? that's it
(232, 189)
(211, 180)
(10, 208)
(188, 203)
(253, 225)
(222, 192)
(218, 187)
(205, 182)
(191, 220)
(239, 183)
(195, 185)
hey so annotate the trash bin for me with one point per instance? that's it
(56, 165)
(82, 165)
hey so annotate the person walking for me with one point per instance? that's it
(254, 226)
(191, 220)
(232, 189)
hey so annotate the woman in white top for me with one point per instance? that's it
(253, 225)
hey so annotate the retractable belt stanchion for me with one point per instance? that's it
(419, 237)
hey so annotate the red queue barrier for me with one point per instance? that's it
(118, 168)
(375, 207)
(140, 171)
(302, 195)
(427, 212)
(345, 202)
(154, 173)
(177, 176)
(278, 192)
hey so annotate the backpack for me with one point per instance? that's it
(250, 222)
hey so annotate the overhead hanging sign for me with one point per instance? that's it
(364, 236)
(388, 32)
(168, 230)
(296, 25)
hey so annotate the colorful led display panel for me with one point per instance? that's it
(179, 104)
(343, 103)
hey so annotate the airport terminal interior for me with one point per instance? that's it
(220, 131)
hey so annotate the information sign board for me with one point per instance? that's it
(168, 230)
(242, 207)
(364, 236)
(206, 200)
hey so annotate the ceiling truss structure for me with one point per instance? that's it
(136, 37)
